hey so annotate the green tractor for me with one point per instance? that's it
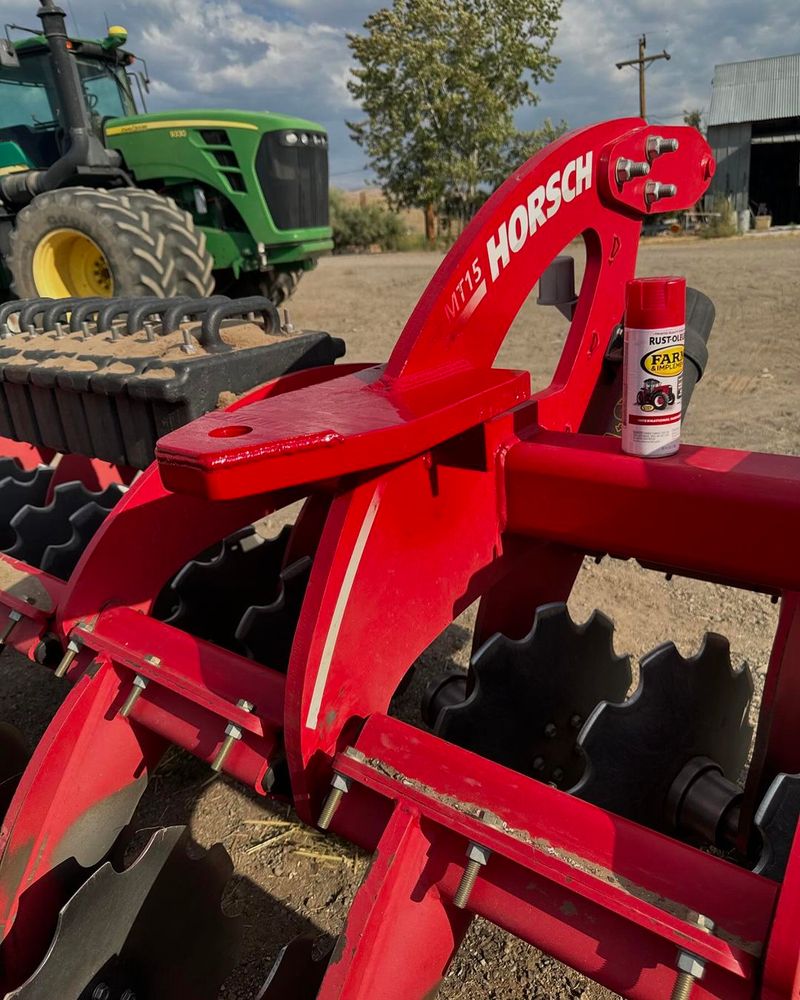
(97, 199)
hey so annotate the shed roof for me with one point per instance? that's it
(755, 90)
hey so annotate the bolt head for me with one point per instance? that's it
(538, 763)
(246, 705)
(341, 782)
(154, 661)
(233, 730)
(101, 992)
(550, 731)
(693, 965)
(479, 853)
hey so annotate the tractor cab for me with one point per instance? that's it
(31, 112)
(650, 384)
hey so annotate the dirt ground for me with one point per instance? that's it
(290, 880)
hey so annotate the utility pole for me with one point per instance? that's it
(641, 64)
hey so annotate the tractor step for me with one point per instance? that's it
(107, 378)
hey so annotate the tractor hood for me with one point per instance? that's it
(208, 118)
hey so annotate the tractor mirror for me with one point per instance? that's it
(8, 55)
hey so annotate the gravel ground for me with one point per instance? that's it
(291, 880)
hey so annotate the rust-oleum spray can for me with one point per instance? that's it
(655, 327)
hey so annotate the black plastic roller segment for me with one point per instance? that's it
(528, 699)
(266, 632)
(209, 596)
(685, 715)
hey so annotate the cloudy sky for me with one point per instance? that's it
(291, 55)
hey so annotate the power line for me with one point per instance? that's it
(642, 63)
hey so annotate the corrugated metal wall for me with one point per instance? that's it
(731, 146)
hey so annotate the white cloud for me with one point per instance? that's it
(291, 55)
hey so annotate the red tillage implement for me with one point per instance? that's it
(542, 798)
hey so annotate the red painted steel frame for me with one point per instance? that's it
(437, 482)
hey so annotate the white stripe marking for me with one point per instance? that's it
(338, 611)
(477, 297)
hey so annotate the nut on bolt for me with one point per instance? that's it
(340, 785)
(626, 170)
(691, 967)
(655, 191)
(657, 145)
(13, 618)
(477, 857)
(73, 648)
(233, 733)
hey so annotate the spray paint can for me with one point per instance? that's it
(655, 328)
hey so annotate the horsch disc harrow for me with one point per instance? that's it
(544, 796)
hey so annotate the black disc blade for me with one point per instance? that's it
(682, 708)
(776, 821)
(156, 928)
(529, 698)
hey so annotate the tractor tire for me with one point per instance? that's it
(660, 401)
(277, 286)
(92, 242)
(186, 245)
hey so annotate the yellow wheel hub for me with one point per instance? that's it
(67, 263)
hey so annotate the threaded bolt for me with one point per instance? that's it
(188, 345)
(626, 169)
(233, 734)
(477, 857)
(13, 618)
(655, 191)
(86, 328)
(73, 648)
(138, 686)
(149, 331)
(657, 145)
(340, 785)
(684, 985)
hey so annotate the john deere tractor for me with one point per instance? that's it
(97, 199)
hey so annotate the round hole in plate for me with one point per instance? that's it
(230, 431)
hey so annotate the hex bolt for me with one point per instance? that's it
(139, 684)
(551, 731)
(233, 733)
(149, 332)
(128, 995)
(60, 331)
(691, 967)
(73, 648)
(538, 763)
(477, 856)
(655, 191)
(117, 326)
(187, 346)
(13, 618)
(626, 170)
(101, 992)
(288, 325)
(575, 721)
(340, 785)
(86, 329)
(31, 328)
(657, 145)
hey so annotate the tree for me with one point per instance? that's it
(439, 81)
(693, 117)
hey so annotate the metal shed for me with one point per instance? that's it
(754, 130)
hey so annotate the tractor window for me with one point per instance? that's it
(25, 95)
(106, 89)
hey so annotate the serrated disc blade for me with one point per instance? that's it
(529, 698)
(266, 632)
(296, 974)
(682, 708)
(776, 821)
(211, 595)
(155, 928)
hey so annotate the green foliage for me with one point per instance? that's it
(722, 223)
(693, 117)
(359, 227)
(439, 82)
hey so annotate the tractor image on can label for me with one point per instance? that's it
(654, 395)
